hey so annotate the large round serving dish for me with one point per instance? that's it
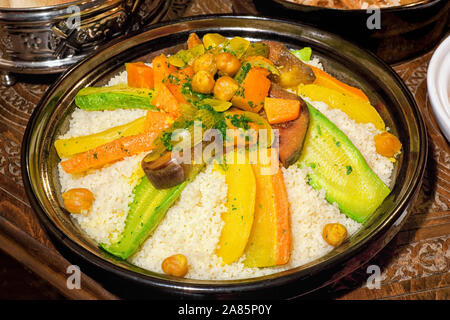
(438, 85)
(393, 33)
(52, 38)
(343, 59)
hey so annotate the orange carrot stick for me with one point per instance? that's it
(161, 69)
(166, 101)
(176, 80)
(110, 152)
(269, 243)
(264, 71)
(281, 110)
(156, 121)
(283, 238)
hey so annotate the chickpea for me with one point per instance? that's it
(228, 63)
(78, 200)
(206, 62)
(225, 88)
(203, 82)
(387, 144)
(334, 234)
(176, 265)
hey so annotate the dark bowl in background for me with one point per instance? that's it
(341, 58)
(406, 31)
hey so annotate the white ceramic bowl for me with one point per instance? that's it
(438, 83)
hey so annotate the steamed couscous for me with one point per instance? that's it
(193, 226)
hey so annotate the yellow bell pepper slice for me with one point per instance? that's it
(238, 219)
(357, 109)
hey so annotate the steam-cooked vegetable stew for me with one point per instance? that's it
(226, 160)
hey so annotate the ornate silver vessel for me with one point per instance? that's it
(49, 39)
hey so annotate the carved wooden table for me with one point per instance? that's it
(415, 264)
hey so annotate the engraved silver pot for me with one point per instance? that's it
(49, 39)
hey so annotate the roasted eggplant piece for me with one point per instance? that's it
(291, 133)
(293, 70)
(171, 169)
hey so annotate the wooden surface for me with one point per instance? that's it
(415, 265)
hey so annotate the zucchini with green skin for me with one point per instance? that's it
(114, 97)
(146, 211)
(339, 168)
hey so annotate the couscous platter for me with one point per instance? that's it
(349, 155)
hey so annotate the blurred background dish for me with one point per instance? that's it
(394, 33)
(438, 83)
(49, 36)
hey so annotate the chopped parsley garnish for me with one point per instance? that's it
(221, 126)
(172, 79)
(240, 92)
(229, 51)
(205, 106)
(349, 169)
(188, 123)
(243, 72)
(239, 121)
(167, 140)
(224, 166)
